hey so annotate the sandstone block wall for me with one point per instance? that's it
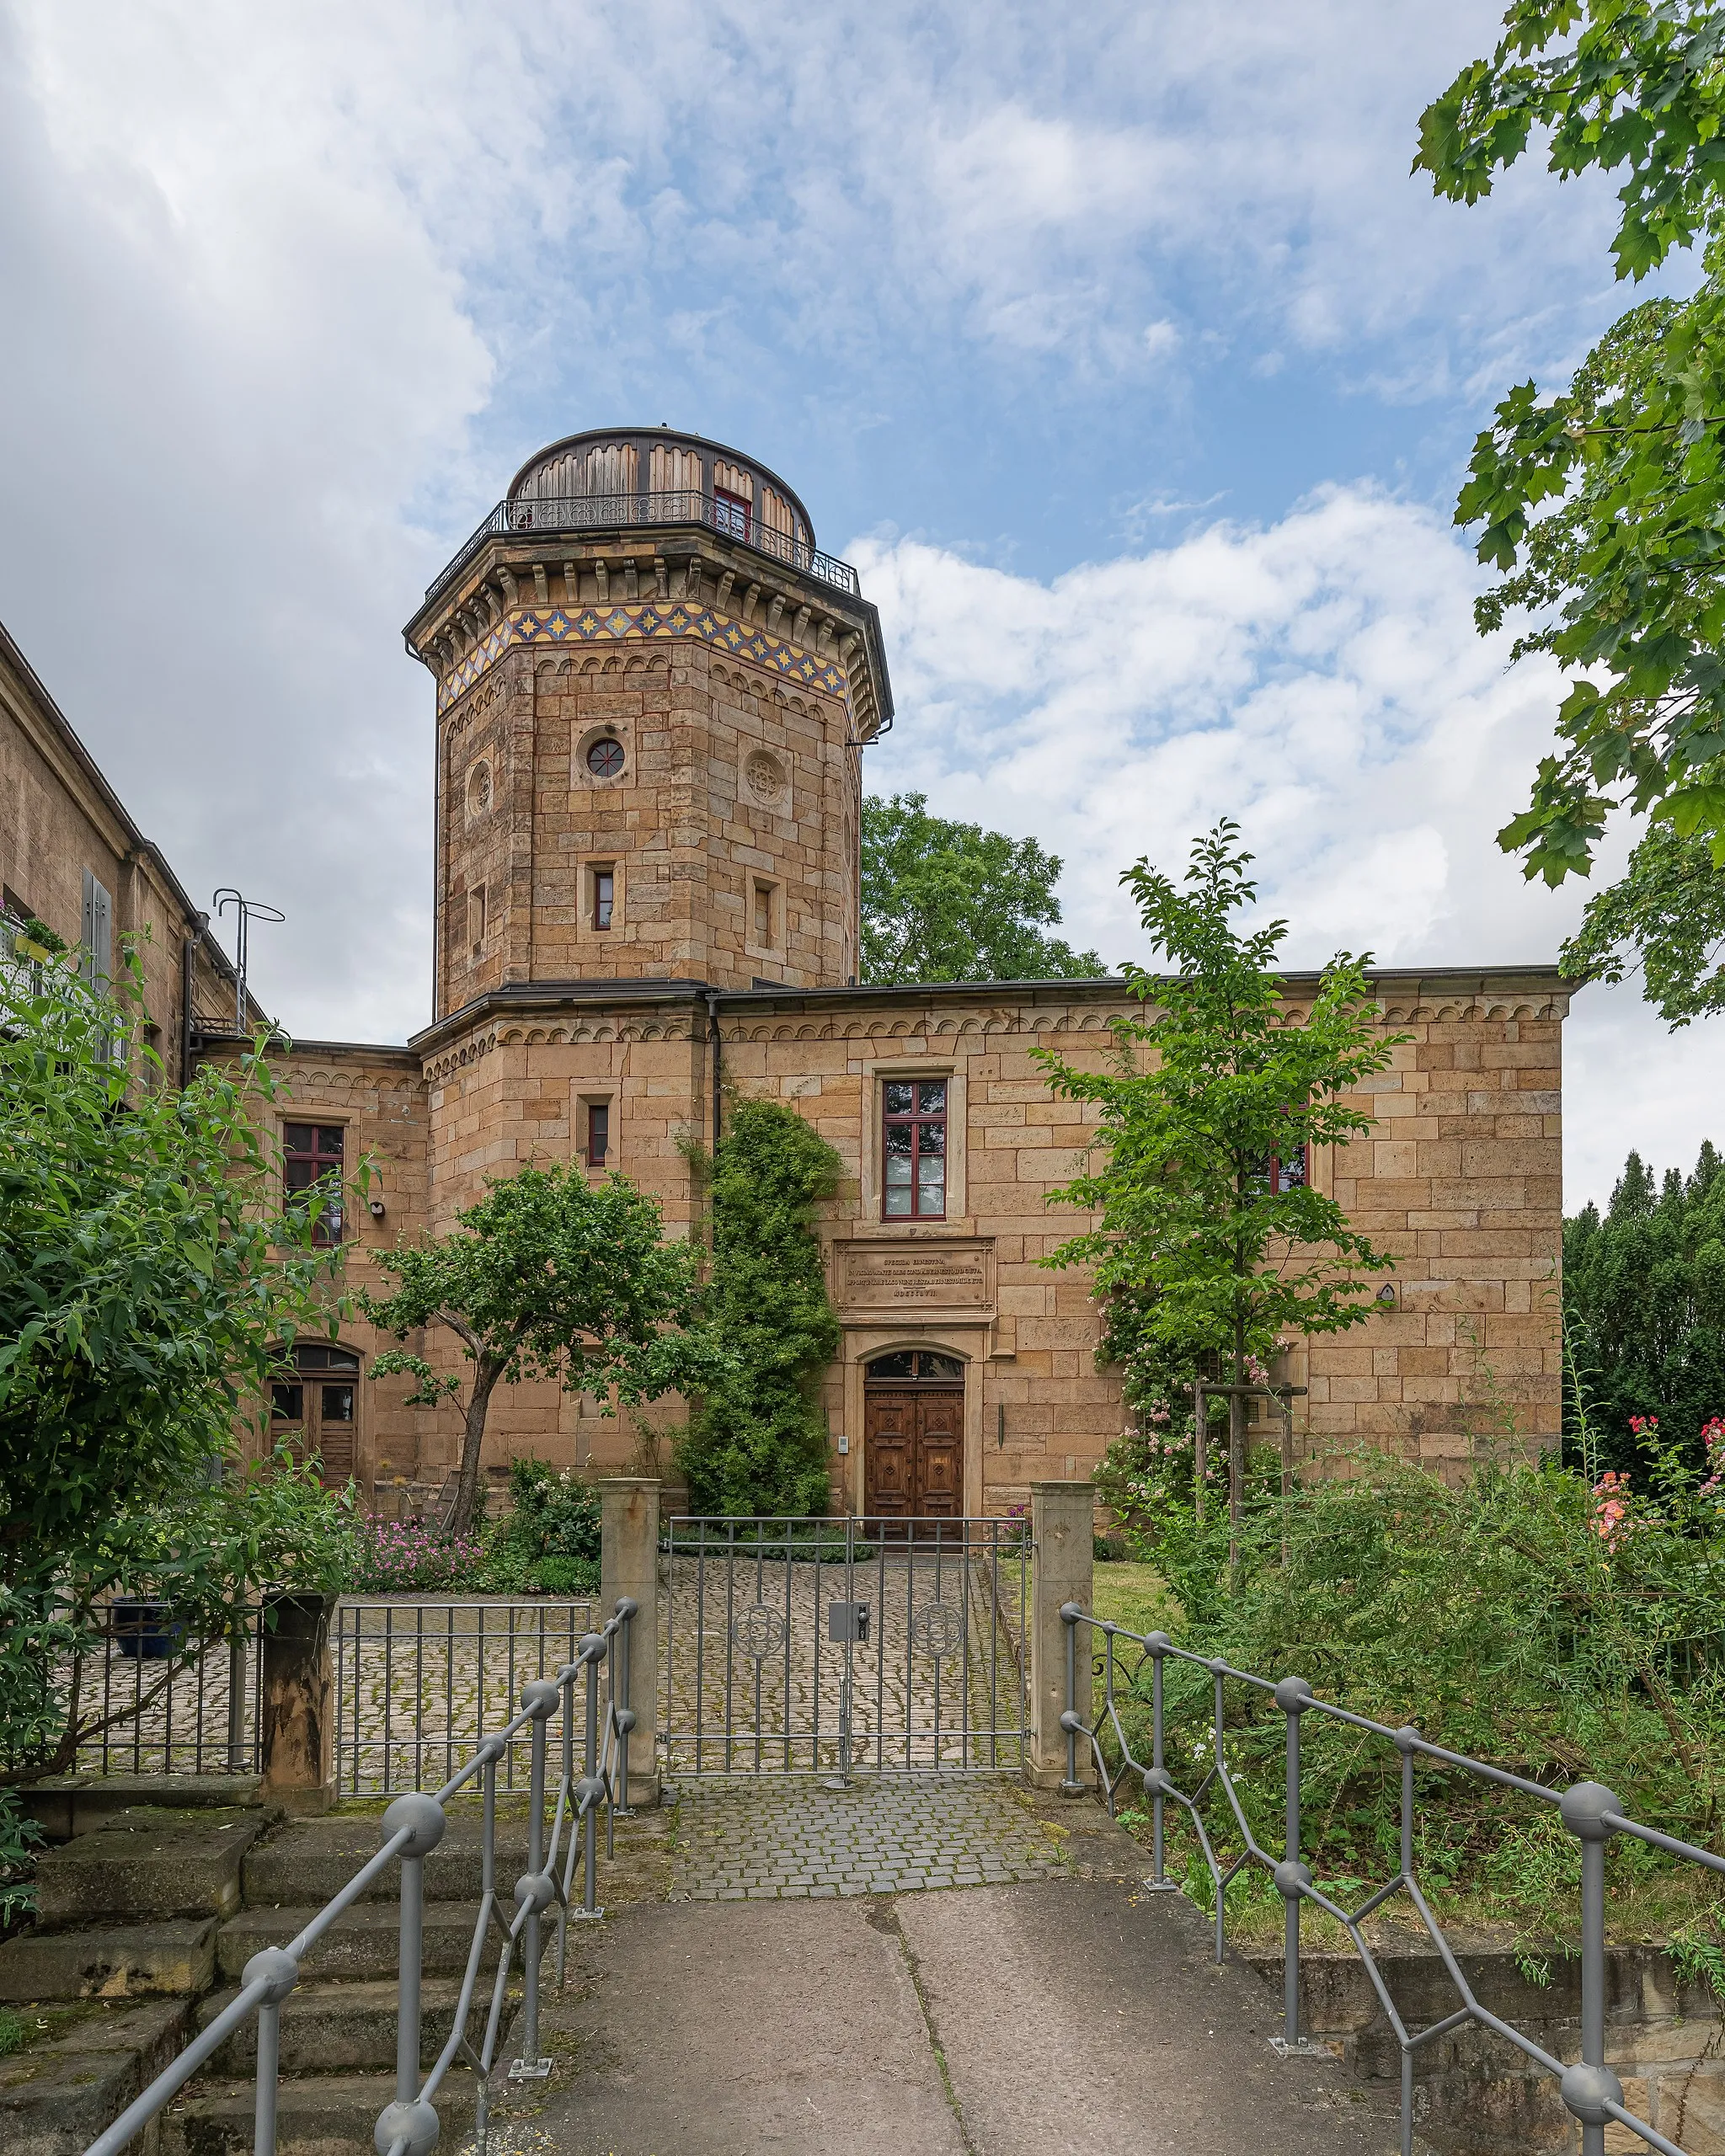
(59, 817)
(377, 1097)
(730, 833)
(1459, 1178)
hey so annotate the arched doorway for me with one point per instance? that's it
(317, 1409)
(913, 1436)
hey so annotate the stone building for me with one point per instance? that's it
(71, 858)
(652, 696)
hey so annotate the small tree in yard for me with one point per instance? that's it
(1205, 1241)
(551, 1277)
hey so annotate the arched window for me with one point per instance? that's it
(916, 1365)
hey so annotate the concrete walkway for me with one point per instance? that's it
(1073, 2013)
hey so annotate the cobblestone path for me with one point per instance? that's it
(777, 1838)
(753, 1682)
(418, 1684)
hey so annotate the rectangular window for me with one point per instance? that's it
(287, 1403)
(475, 919)
(913, 1148)
(338, 1403)
(312, 1161)
(1287, 1171)
(730, 513)
(604, 896)
(766, 922)
(598, 1132)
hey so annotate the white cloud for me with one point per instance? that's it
(289, 292)
(1318, 679)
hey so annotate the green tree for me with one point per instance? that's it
(549, 1277)
(150, 1282)
(1210, 1248)
(1644, 1297)
(150, 1286)
(758, 1442)
(1606, 502)
(1666, 920)
(947, 901)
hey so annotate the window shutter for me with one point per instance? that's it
(97, 932)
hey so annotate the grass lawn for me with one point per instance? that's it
(1135, 1596)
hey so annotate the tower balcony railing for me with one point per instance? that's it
(558, 514)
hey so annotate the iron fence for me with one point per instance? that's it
(412, 1827)
(804, 1646)
(1590, 2089)
(418, 1683)
(555, 514)
(156, 1699)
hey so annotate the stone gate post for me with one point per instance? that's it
(297, 1709)
(1062, 1516)
(628, 1564)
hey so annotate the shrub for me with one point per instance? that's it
(567, 1575)
(549, 1540)
(407, 1557)
(758, 1442)
(1559, 1628)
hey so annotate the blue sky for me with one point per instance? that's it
(1118, 349)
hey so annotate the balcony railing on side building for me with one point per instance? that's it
(565, 513)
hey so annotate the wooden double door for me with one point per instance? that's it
(914, 1452)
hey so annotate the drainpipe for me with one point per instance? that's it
(714, 1036)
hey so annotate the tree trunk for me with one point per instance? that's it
(466, 1487)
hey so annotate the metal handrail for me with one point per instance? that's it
(1589, 2088)
(413, 1826)
(560, 513)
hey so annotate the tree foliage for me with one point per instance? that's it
(552, 1276)
(1200, 1248)
(150, 1282)
(150, 1288)
(1605, 503)
(948, 901)
(1644, 1296)
(1666, 920)
(758, 1443)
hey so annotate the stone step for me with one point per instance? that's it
(319, 2115)
(304, 1861)
(336, 2028)
(65, 1805)
(58, 2093)
(362, 1945)
(153, 1861)
(140, 1960)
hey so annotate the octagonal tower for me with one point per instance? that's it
(652, 693)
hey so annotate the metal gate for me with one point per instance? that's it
(817, 1645)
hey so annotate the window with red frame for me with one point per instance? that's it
(913, 1148)
(1286, 1171)
(312, 1161)
(731, 512)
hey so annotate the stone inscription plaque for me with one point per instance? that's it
(912, 1276)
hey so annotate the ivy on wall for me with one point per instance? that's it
(757, 1442)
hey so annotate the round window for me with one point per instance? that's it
(604, 757)
(479, 790)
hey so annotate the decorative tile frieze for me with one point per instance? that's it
(606, 623)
